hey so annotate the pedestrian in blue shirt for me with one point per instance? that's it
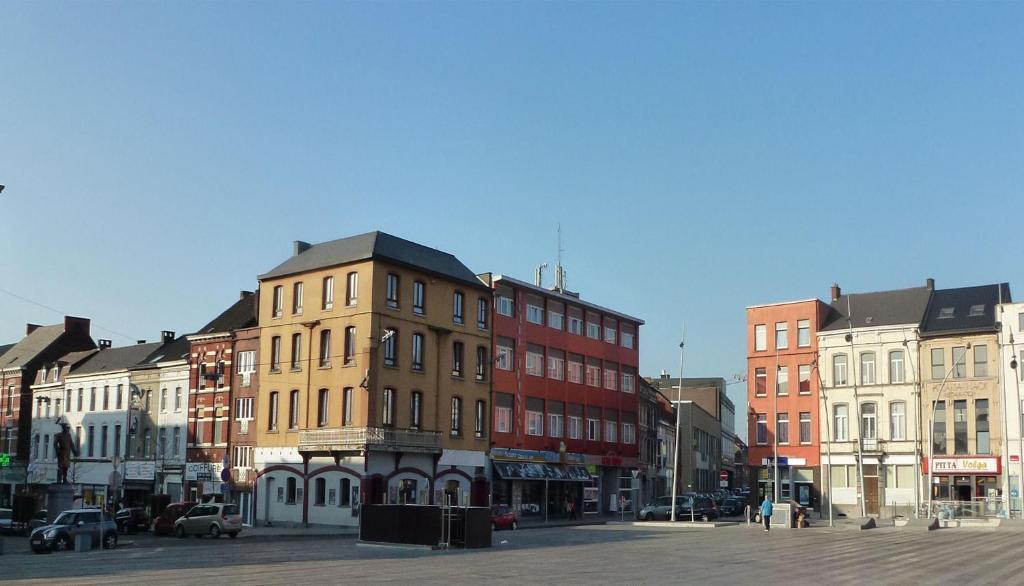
(766, 512)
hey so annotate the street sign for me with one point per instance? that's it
(783, 461)
(723, 475)
(5, 460)
(225, 488)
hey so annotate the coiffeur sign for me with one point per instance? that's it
(968, 465)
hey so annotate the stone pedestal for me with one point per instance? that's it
(59, 498)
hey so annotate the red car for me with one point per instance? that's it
(164, 523)
(503, 518)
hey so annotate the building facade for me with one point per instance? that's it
(783, 399)
(244, 416)
(565, 402)
(1011, 352)
(365, 391)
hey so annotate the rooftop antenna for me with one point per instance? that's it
(559, 271)
(538, 275)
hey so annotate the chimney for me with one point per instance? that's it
(29, 328)
(664, 374)
(140, 341)
(244, 294)
(930, 283)
(167, 336)
(836, 292)
(298, 247)
(76, 325)
(103, 344)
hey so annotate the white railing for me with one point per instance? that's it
(369, 438)
(869, 444)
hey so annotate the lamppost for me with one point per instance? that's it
(1020, 419)
(931, 426)
(131, 427)
(679, 400)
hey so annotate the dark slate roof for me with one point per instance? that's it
(939, 320)
(31, 346)
(3, 350)
(169, 352)
(241, 314)
(73, 358)
(881, 308)
(376, 245)
(116, 358)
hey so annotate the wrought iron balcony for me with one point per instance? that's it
(354, 439)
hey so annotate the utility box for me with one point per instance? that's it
(83, 542)
(782, 516)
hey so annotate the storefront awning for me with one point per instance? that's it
(541, 471)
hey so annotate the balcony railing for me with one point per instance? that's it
(869, 444)
(350, 439)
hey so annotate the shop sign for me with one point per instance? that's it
(137, 470)
(533, 456)
(1014, 458)
(967, 465)
(201, 471)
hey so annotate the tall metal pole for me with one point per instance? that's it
(828, 435)
(775, 432)
(679, 399)
(1002, 389)
(860, 421)
(931, 428)
(1014, 365)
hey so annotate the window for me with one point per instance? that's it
(457, 355)
(611, 377)
(947, 312)
(842, 419)
(575, 321)
(481, 363)
(939, 428)
(9, 402)
(163, 399)
(346, 405)
(627, 382)
(556, 364)
(981, 360)
(628, 433)
(897, 374)
(350, 345)
(91, 436)
(781, 336)
(611, 431)
(938, 363)
(761, 381)
(593, 372)
(456, 416)
(575, 430)
(163, 403)
(761, 429)
(327, 298)
(502, 419)
(505, 360)
(959, 361)
(346, 493)
(417, 352)
(458, 307)
(804, 374)
(291, 491)
(161, 442)
(296, 351)
(479, 421)
(322, 406)
(275, 353)
(388, 408)
(868, 421)
(839, 370)
(418, 297)
(803, 333)
(67, 401)
(897, 420)
(594, 429)
(960, 426)
(92, 399)
(760, 338)
(271, 414)
(325, 348)
(243, 456)
(320, 492)
(416, 410)
(555, 421)
(297, 298)
(611, 333)
(805, 427)
(391, 347)
(556, 319)
(481, 313)
(628, 337)
(352, 289)
(782, 381)
(177, 398)
(534, 423)
(175, 447)
(867, 368)
(391, 289)
(504, 306)
(782, 427)
(243, 408)
(293, 410)
(593, 328)
(278, 306)
(899, 476)
(534, 314)
(575, 371)
(982, 440)
(534, 360)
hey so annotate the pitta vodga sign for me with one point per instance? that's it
(965, 465)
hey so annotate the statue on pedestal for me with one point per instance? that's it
(64, 446)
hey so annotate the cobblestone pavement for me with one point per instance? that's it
(572, 555)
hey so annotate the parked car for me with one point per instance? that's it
(703, 508)
(211, 519)
(6, 520)
(661, 508)
(731, 507)
(504, 518)
(61, 535)
(38, 520)
(132, 519)
(163, 524)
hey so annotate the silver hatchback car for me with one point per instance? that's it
(213, 519)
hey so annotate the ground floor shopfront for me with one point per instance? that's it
(966, 478)
(798, 481)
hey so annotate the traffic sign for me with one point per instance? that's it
(723, 475)
(5, 460)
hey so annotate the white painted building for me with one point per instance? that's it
(1011, 354)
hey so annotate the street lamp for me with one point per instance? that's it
(679, 400)
(931, 426)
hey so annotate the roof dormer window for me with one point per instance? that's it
(976, 311)
(947, 312)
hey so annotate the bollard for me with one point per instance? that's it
(83, 542)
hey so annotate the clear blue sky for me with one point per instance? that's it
(700, 157)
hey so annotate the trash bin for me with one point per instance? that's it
(83, 542)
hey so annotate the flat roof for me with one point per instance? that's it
(566, 298)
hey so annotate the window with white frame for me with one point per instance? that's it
(417, 352)
(803, 333)
(534, 313)
(839, 370)
(504, 305)
(782, 381)
(534, 360)
(534, 423)
(897, 372)
(505, 355)
(481, 313)
(761, 429)
(297, 296)
(897, 420)
(593, 372)
(391, 290)
(628, 337)
(611, 376)
(391, 347)
(781, 335)
(246, 362)
(611, 431)
(627, 382)
(575, 430)
(575, 321)
(611, 331)
(782, 427)
(556, 315)
(556, 364)
(419, 293)
(327, 294)
(804, 382)
(502, 419)
(243, 408)
(555, 424)
(352, 289)
(867, 368)
(242, 456)
(574, 373)
(593, 328)
(760, 337)
(593, 429)
(628, 433)
(278, 306)
(841, 416)
(805, 427)
(458, 307)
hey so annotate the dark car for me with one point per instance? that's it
(97, 525)
(132, 519)
(697, 507)
(731, 507)
(503, 518)
(163, 524)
